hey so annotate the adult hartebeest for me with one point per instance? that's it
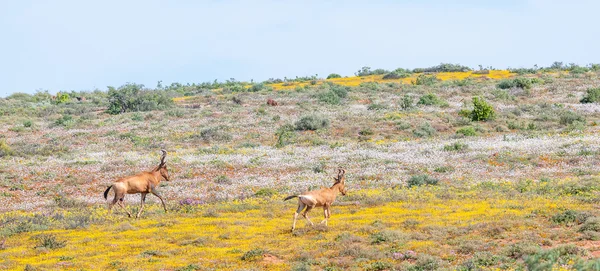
(144, 183)
(323, 197)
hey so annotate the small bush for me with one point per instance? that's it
(569, 117)
(444, 67)
(285, 135)
(48, 241)
(329, 97)
(482, 111)
(425, 130)
(396, 75)
(519, 82)
(379, 265)
(133, 97)
(5, 150)
(425, 263)
(333, 75)
(591, 224)
(311, 122)
(376, 107)
(466, 131)
(592, 96)
(407, 102)
(456, 146)
(258, 87)
(419, 180)
(214, 134)
(570, 217)
(27, 123)
(253, 255)
(265, 192)
(65, 120)
(425, 80)
(430, 99)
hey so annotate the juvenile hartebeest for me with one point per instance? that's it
(323, 197)
(144, 183)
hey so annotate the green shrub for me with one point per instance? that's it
(376, 107)
(431, 99)
(466, 131)
(132, 97)
(426, 80)
(379, 265)
(482, 111)
(396, 75)
(339, 90)
(285, 135)
(419, 180)
(65, 120)
(425, 130)
(311, 122)
(456, 146)
(265, 192)
(27, 123)
(444, 67)
(592, 96)
(519, 82)
(333, 75)
(570, 217)
(215, 134)
(48, 241)
(62, 98)
(407, 102)
(329, 97)
(258, 87)
(591, 224)
(253, 255)
(5, 150)
(551, 258)
(569, 117)
(425, 263)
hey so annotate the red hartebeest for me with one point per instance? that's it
(144, 183)
(323, 197)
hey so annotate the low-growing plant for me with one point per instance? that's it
(48, 241)
(285, 135)
(419, 180)
(482, 111)
(424, 130)
(456, 146)
(333, 75)
(407, 102)
(592, 96)
(466, 131)
(426, 80)
(253, 255)
(312, 123)
(329, 97)
(431, 99)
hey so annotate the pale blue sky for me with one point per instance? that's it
(83, 45)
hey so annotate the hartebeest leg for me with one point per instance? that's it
(305, 214)
(161, 199)
(300, 208)
(122, 204)
(141, 205)
(325, 210)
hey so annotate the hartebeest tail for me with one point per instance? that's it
(319, 198)
(290, 197)
(106, 191)
(144, 183)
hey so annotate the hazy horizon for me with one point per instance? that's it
(72, 45)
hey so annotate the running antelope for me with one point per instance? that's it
(319, 198)
(144, 183)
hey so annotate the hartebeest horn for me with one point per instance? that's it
(162, 158)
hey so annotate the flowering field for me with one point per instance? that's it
(430, 187)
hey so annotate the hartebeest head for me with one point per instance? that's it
(162, 167)
(340, 179)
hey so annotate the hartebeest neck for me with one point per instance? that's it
(336, 186)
